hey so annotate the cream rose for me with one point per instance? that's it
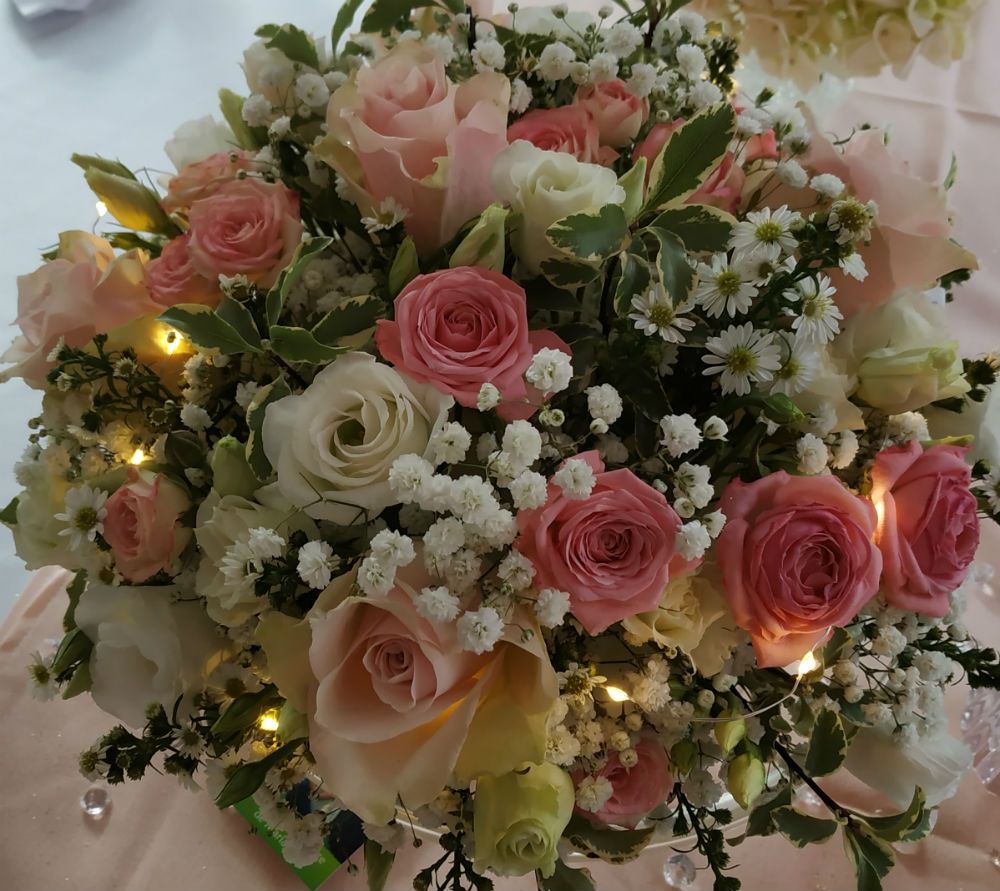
(333, 444)
(903, 354)
(196, 140)
(147, 648)
(543, 187)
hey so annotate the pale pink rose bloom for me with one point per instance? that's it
(392, 688)
(85, 290)
(402, 130)
(612, 552)
(911, 246)
(636, 790)
(203, 178)
(172, 278)
(618, 113)
(246, 227)
(798, 557)
(569, 129)
(928, 528)
(724, 186)
(142, 526)
(460, 328)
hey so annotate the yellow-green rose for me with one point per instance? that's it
(519, 818)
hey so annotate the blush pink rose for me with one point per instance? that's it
(246, 227)
(724, 186)
(143, 525)
(618, 113)
(392, 688)
(569, 129)
(928, 525)
(911, 246)
(612, 552)
(402, 130)
(85, 290)
(798, 557)
(172, 279)
(762, 147)
(460, 328)
(635, 790)
(203, 178)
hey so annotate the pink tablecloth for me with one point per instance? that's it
(158, 836)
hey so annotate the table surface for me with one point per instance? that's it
(116, 81)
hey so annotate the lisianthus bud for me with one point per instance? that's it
(231, 475)
(745, 778)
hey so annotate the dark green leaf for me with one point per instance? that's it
(898, 827)
(8, 516)
(633, 181)
(543, 296)
(352, 316)
(641, 385)
(802, 829)
(827, 745)
(247, 137)
(574, 333)
(183, 449)
(74, 649)
(345, 16)
(73, 591)
(238, 316)
(673, 269)
(292, 41)
(244, 711)
(872, 858)
(611, 845)
(590, 236)
(760, 821)
(378, 862)
(693, 151)
(566, 879)
(633, 281)
(386, 13)
(247, 778)
(567, 274)
(277, 389)
(206, 329)
(300, 345)
(96, 162)
(405, 266)
(81, 682)
(700, 227)
(304, 255)
(839, 641)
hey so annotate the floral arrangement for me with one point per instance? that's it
(501, 423)
(800, 41)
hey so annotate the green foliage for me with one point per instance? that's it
(378, 863)
(634, 279)
(247, 137)
(239, 318)
(761, 820)
(801, 829)
(871, 857)
(611, 845)
(827, 745)
(292, 41)
(633, 181)
(345, 16)
(206, 328)
(96, 162)
(304, 255)
(908, 826)
(672, 266)
(80, 682)
(74, 589)
(729, 733)
(74, 649)
(183, 449)
(277, 389)
(386, 13)
(134, 205)
(485, 243)
(348, 319)
(590, 236)
(568, 273)
(300, 345)
(244, 711)
(701, 228)
(405, 266)
(566, 879)
(8, 516)
(247, 778)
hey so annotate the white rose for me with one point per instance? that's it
(270, 73)
(902, 354)
(827, 394)
(693, 617)
(195, 140)
(333, 445)
(221, 522)
(146, 648)
(936, 763)
(36, 534)
(544, 187)
(981, 419)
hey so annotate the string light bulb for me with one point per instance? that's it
(617, 694)
(171, 340)
(806, 664)
(101, 208)
(268, 721)
(138, 456)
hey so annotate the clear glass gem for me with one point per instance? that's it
(679, 872)
(95, 802)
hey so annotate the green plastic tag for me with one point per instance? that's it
(312, 876)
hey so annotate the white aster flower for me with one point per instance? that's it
(680, 434)
(479, 630)
(812, 454)
(84, 515)
(551, 607)
(623, 39)
(437, 604)
(766, 234)
(393, 549)
(593, 792)
(723, 288)
(742, 355)
(798, 370)
(852, 220)
(819, 318)
(604, 403)
(550, 370)
(241, 567)
(317, 563)
(387, 214)
(489, 397)
(554, 61)
(42, 684)
(575, 479)
(528, 489)
(450, 443)
(854, 266)
(654, 313)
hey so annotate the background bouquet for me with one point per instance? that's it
(502, 423)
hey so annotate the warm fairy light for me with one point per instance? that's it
(807, 664)
(171, 340)
(616, 694)
(268, 721)
(102, 208)
(138, 456)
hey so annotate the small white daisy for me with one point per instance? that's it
(990, 487)
(766, 234)
(852, 220)
(723, 288)
(655, 313)
(385, 216)
(819, 318)
(41, 681)
(84, 515)
(798, 370)
(742, 355)
(854, 266)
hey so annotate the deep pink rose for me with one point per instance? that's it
(612, 552)
(203, 178)
(798, 557)
(637, 789)
(172, 279)
(247, 227)
(569, 129)
(85, 290)
(724, 186)
(618, 113)
(142, 526)
(460, 328)
(402, 130)
(928, 528)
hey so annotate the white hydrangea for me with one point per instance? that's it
(528, 489)
(523, 443)
(812, 454)
(693, 540)
(479, 630)
(551, 607)
(550, 371)
(680, 434)
(393, 549)
(450, 443)
(575, 478)
(554, 61)
(317, 563)
(604, 403)
(437, 604)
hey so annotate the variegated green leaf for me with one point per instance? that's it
(702, 228)
(590, 236)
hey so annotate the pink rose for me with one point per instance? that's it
(569, 129)
(636, 790)
(393, 688)
(402, 130)
(86, 289)
(911, 246)
(142, 526)
(612, 552)
(619, 114)
(928, 528)
(457, 329)
(172, 279)
(247, 227)
(762, 147)
(203, 178)
(724, 186)
(797, 557)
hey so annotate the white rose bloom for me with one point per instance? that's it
(827, 393)
(544, 187)
(271, 73)
(338, 439)
(37, 538)
(195, 140)
(146, 648)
